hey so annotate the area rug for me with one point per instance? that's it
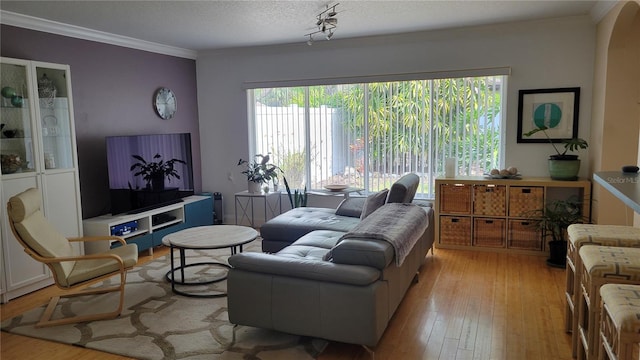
(157, 324)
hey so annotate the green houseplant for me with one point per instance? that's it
(553, 221)
(298, 198)
(259, 172)
(154, 172)
(562, 166)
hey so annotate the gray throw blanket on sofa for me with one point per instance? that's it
(399, 224)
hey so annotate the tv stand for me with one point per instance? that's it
(152, 207)
(162, 218)
(147, 228)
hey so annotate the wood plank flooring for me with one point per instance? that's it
(467, 306)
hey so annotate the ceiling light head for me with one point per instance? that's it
(326, 22)
(333, 12)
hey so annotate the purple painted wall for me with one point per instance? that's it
(113, 90)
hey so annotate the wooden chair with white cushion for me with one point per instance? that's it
(620, 322)
(70, 271)
(589, 234)
(601, 265)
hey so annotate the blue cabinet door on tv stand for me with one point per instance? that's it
(197, 213)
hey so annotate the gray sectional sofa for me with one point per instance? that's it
(286, 228)
(342, 284)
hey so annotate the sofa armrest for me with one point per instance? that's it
(351, 207)
(305, 269)
(373, 253)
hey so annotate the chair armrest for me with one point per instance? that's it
(83, 258)
(99, 238)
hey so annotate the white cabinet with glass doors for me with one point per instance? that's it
(37, 149)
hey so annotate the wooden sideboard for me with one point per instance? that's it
(499, 214)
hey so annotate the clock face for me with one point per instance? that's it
(165, 103)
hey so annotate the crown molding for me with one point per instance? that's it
(54, 27)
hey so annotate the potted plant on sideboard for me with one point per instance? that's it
(154, 172)
(563, 166)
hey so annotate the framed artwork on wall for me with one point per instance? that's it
(557, 109)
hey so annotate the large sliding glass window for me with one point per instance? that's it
(368, 135)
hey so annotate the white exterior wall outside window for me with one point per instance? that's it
(368, 135)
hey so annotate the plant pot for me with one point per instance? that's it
(564, 169)
(157, 182)
(254, 187)
(557, 253)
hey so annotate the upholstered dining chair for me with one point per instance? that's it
(71, 271)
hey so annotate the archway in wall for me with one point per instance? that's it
(621, 130)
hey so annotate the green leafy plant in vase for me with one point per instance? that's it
(553, 222)
(259, 172)
(562, 166)
(298, 198)
(154, 172)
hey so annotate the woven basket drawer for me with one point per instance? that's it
(490, 200)
(455, 230)
(524, 234)
(455, 199)
(488, 232)
(523, 201)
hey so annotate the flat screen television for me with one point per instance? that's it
(132, 194)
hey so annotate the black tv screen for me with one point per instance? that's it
(131, 194)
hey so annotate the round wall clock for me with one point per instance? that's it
(165, 103)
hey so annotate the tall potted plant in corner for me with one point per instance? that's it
(154, 172)
(258, 172)
(553, 221)
(563, 166)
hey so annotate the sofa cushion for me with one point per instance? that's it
(313, 246)
(295, 223)
(275, 264)
(403, 190)
(373, 202)
(375, 253)
(351, 207)
(325, 239)
(303, 252)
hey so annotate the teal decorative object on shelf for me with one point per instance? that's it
(17, 101)
(8, 92)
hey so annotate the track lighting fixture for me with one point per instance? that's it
(327, 22)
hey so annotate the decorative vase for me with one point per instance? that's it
(557, 253)
(46, 88)
(564, 169)
(17, 101)
(157, 182)
(254, 187)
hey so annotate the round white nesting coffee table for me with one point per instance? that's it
(204, 238)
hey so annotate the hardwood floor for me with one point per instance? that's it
(466, 305)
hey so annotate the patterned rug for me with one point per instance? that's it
(157, 324)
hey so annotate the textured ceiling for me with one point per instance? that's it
(199, 25)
